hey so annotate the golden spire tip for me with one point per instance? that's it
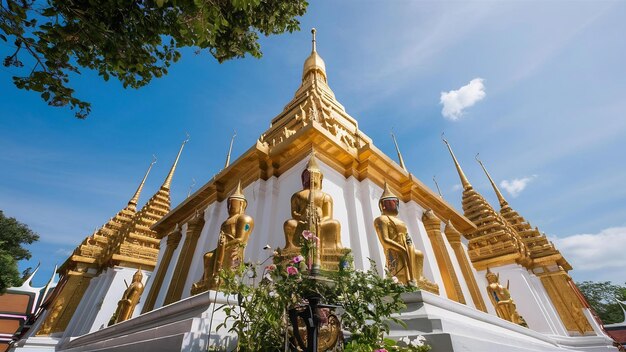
(133, 201)
(400, 159)
(313, 31)
(501, 199)
(464, 180)
(170, 175)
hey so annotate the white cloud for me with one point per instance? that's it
(516, 185)
(455, 101)
(457, 187)
(603, 250)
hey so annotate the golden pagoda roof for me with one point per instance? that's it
(136, 244)
(540, 248)
(313, 120)
(494, 241)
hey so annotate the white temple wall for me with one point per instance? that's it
(372, 248)
(547, 308)
(167, 279)
(87, 308)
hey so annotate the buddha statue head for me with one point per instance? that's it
(237, 202)
(137, 276)
(491, 277)
(312, 176)
(388, 202)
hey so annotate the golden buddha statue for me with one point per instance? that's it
(404, 261)
(130, 298)
(232, 240)
(501, 299)
(312, 209)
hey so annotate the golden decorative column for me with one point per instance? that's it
(568, 305)
(65, 305)
(130, 298)
(194, 227)
(231, 243)
(501, 299)
(404, 261)
(454, 238)
(173, 239)
(450, 281)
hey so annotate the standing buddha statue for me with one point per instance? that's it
(501, 298)
(404, 261)
(231, 243)
(130, 298)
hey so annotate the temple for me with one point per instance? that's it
(487, 280)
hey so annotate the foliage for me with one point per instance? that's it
(12, 235)
(603, 297)
(259, 319)
(133, 41)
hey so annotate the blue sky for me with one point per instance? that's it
(551, 119)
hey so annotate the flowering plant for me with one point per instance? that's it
(259, 317)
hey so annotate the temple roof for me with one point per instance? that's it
(494, 241)
(314, 119)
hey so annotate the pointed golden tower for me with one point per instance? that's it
(77, 271)
(547, 263)
(136, 243)
(494, 242)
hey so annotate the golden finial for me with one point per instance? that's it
(313, 49)
(133, 201)
(168, 179)
(387, 192)
(238, 193)
(193, 183)
(464, 180)
(314, 62)
(437, 185)
(401, 161)
(230, 149)
(493, 184)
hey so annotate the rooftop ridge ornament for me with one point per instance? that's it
(230, 149)
(437, 185)
(133, 201)
(501, 199)
(170, 175)
(400, 159)
(466, 184)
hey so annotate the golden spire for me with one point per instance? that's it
(437, 185)
(314, 62)
(401, 161)
(133, 201)
(501, 199)
(387, 192)
(168, 179)
(230, 149)
(464, 180)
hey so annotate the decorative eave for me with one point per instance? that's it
(262, 162)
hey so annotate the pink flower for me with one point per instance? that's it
(270, 267)
(380, 350)
(297, 259)
(308, 235)
(394, 279)
(291, 270)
